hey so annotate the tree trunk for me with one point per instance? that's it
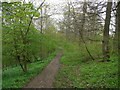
(18, 58)
(24, 54)
(115, 39)
(118, 37)
(41, 21)
(106, 55)
(83, 19)
(118, 26)
(25, 66)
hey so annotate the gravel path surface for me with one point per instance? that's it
(46, 78)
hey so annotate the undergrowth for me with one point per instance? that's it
(80, 71)
(13, 77)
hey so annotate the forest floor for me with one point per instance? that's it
(47, 77)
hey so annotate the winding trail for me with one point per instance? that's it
(46, 78)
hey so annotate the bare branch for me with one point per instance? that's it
(32, 18)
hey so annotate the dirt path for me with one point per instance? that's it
(46, 78)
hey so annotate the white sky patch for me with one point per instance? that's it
(55, 1)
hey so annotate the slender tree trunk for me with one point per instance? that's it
(118, 26)
(18, 58)
(115, 39)
(81, 30)
(106, 55)
(41, 21)
(24, 55)
(68, 24)
(118, 38)
(25, 64)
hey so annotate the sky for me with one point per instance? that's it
(55, 5)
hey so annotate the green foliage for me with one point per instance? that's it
(98, 74)
(78, 71)
(20, 39)
(13, 77)
(16, 18)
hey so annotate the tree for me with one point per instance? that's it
(106, 55)
(82, 30)
(118, 26)
(22, 40)
(17, 31)
(78, 22)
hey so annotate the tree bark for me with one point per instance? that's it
(118, 26)
(41, 21)
(115, 40)
(106, 55)
(118, 37)
(81, 30)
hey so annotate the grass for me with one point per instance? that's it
(13, 77)
(79, 71)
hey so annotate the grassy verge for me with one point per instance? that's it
(79, 71)
(15, 78)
